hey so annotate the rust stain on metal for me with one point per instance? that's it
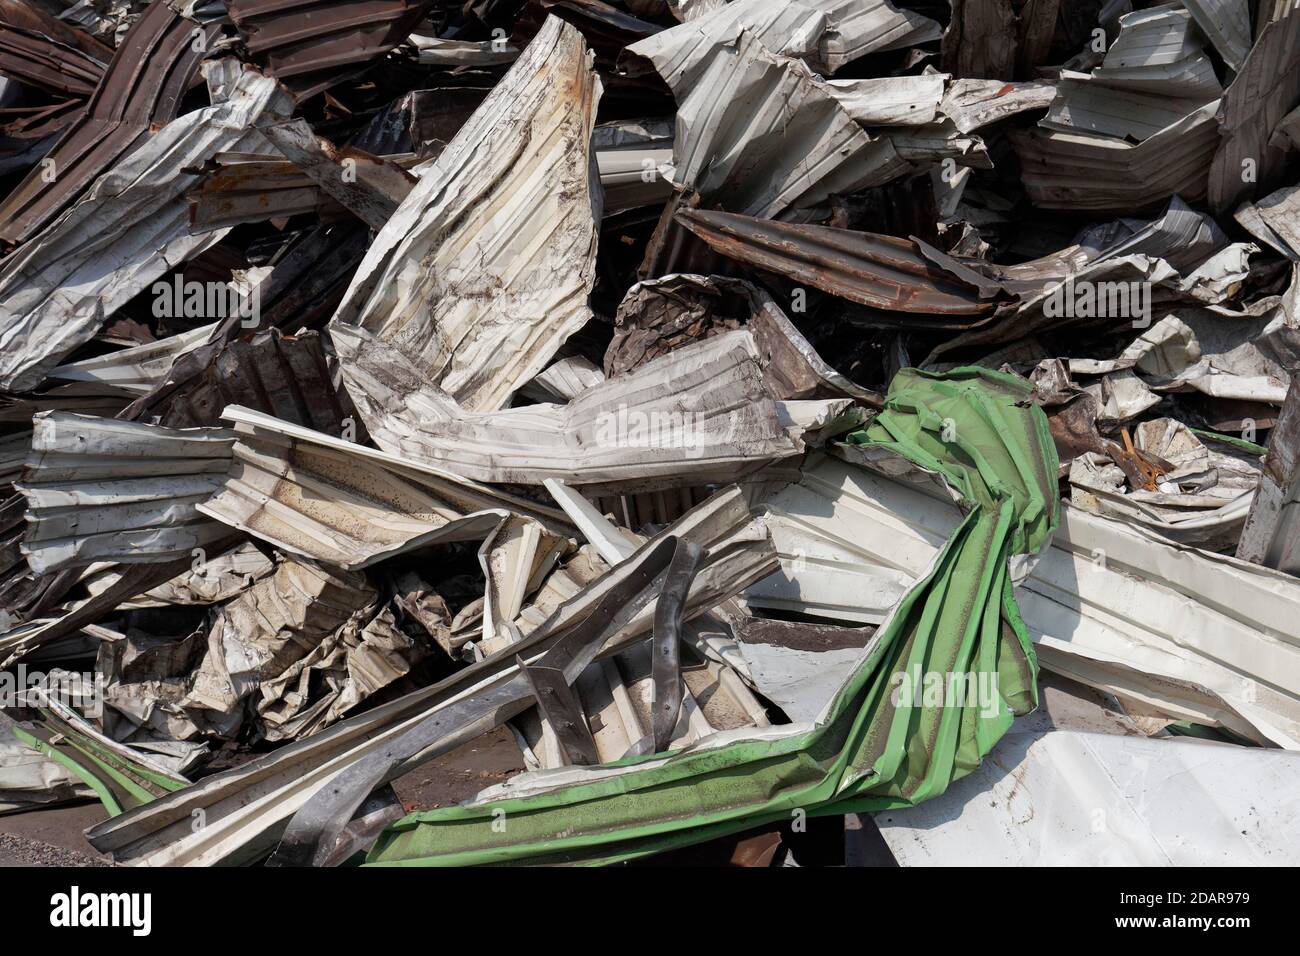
(884, 272)
(308, 44)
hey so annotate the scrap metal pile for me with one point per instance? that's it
(747, 404)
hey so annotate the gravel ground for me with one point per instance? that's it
(20, 851)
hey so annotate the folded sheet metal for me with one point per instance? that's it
(241, 188)
(825, 33)
(732, 125)
(1275, 220)
(892, 100)
(368, 186)
(465, 495)
(1226, 23)
(333, 507)
(880, 271)
(138, 369)
(246, 809)
(1147, 261)
(1247, 165)
(484, 269)
(1088, 106)
(350, 665)
(971, 104)
(1159, 51)
(661, 315)
(1185, 633)
(1102, 174)
(128, 230)
(260, 635)
(105, 490)
(310, 45)
(1271, 536)
(867, 749)
(286, 376)
(698, 414)
(619, 694)
(46, 53)
(142, 87)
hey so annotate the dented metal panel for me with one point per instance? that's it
(1247, 165)
(1107, 604)
(503, 225)
(1271, 536)
(727, 149)
(142, 87)
(335, 508)
(880, 271)
(698, 414)
(128, 230)
(99, 489)
(310, 44)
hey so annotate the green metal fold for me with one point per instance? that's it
(878, 747)
(120, 783)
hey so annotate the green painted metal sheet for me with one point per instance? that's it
(876, 748)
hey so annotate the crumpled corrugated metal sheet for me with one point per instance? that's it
(286, 376)
(880, 271)
(958, 618)
(1227, 25)
(259, 636)
(337, 675)
(104, 490)
(825, 33)
(240, 830)
(241, 188)
(727, 148)
(45, 53)
(1078, 171)
(1275, 219)
(128, 230)
(1188, 633)
(767, 249)
(971, 104)
(138, 369)
(325, 504)
(1159, 51)
(484, 269)
(892, 100)
(660, 315)
(1266, 89)
(1272, 533)
(142, 87)
(366, 185)
(462, 493)
(310, 45)
(701, 413)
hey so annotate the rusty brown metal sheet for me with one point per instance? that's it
(884, 272)
(251, 189)
(142, 88)
(48, 54)
(30, 16)
(280, 374)
(309, 44)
